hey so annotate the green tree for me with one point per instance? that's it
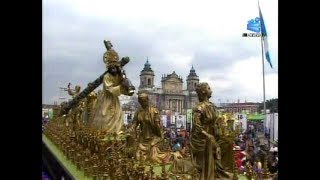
(271, 104)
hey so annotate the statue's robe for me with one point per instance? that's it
(150, 135)
(108, 115)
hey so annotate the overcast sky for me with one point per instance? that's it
(174, 35)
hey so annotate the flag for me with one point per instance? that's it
(264, 38)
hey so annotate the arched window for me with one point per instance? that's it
(149, 82)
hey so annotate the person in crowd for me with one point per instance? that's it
(262, 153)
(250, 155)
(249, 142)
(167, 134)
(176, 145)
(252, 134)
(181, 140)
(172, 136)
(273, 160)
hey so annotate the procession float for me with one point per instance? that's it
(87, 139)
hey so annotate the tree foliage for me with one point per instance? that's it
(271, 104)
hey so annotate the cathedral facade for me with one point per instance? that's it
(171, 96)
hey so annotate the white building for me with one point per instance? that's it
(271, 125)
(125, 99)
(47, 110)
(242, 117)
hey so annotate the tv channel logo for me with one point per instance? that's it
(252, 35)
(254, 25)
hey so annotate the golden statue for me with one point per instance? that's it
(89, 106)
(110, 57)
(75, 114)
(147, 118)
(225, 139)
(205, 151)
(108, 114)
(74, 92)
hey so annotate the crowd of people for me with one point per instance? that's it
(45, 120)
(250, 146)
(178, 140)
(253, 147)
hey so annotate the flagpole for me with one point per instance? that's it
(264, 89)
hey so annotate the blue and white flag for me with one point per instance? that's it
(264, 38)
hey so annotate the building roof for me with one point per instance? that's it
(241, 104)
(147, 69)
(192, 74)
(173, 75)
(48, 106)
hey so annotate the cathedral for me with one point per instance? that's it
(171, 95)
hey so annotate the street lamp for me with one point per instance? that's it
(62, 89)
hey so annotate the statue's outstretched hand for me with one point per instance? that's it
(124, 61)
(211, 138)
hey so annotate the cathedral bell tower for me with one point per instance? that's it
(192, 80)
(146, 76)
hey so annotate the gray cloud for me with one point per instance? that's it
(73, 48)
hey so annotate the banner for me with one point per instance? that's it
(50, 113)
(181, 121)
(125, 119)
(173, 119)
(276, 120)
(164, 120)
(189, 115)
(168, 114)
(243, 120)
(271, 126)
